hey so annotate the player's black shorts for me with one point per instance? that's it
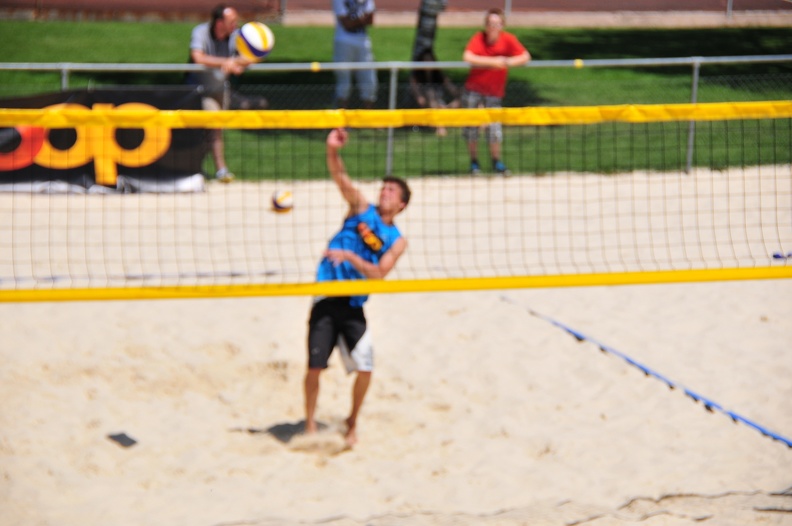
(334, 322)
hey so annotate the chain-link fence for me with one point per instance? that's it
(660, 90)
(549, 83)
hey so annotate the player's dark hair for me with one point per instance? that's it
(405, 189)
(217, 14)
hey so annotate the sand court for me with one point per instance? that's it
(480, 413)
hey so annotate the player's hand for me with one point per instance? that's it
(337, 138)
(232, 66)
(336, 256)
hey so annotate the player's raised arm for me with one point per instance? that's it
(336, 140)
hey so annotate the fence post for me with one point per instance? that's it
(692, 124)
(394, 86)
(64, 78)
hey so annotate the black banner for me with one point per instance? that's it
(102, 159)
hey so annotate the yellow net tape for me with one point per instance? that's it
(61, 117)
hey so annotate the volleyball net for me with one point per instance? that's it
(597, 196)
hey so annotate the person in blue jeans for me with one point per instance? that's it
(351, 43)
(366, 247)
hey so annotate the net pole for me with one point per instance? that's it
(692, 124)
(64, 78)
(394, 80)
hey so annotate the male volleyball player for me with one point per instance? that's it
(491, 52)
(367, 247)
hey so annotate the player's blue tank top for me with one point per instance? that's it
(366, 235)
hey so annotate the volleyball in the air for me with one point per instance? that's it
(282, 201)
(254, 41)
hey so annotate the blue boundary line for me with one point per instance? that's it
(709, 405)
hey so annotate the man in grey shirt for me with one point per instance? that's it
(212, 45)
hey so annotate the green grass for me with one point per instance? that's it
(137, 42)
(603, 148)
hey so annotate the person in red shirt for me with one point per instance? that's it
(491, 52)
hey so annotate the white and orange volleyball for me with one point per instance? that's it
(254, 41)
(282, 201)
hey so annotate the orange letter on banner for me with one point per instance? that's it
(78, 155)
(22, 156)
(108, 154)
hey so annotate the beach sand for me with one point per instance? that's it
(482, 410)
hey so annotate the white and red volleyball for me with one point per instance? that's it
(282, 201)
(255, 41)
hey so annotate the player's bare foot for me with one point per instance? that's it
(350, 437)
(311, 428)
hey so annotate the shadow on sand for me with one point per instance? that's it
(282, 432)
